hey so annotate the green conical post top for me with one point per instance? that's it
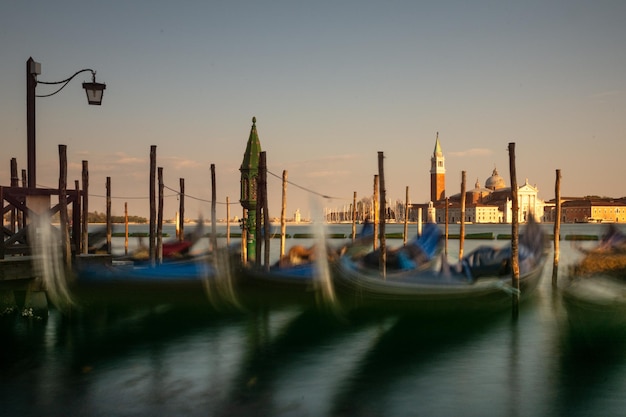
(250, 169)
(253, 150)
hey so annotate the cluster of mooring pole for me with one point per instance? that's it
(248, 199)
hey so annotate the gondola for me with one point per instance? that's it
(479, 283)
(594, 292)
(287, 281)
(196, 280)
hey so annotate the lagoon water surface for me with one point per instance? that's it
(297, 360)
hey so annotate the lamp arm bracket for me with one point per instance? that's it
(64, 82)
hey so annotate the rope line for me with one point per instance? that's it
(192, 197)
(306, 189)
(178, 193)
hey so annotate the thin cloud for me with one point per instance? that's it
(331, 158)
(473, 152)
(122, 158)
(327, 173)
(182, 163)
(604, 94)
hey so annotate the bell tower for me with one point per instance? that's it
(437, 173)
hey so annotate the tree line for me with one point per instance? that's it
(95, 217)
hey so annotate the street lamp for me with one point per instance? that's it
(94, 92)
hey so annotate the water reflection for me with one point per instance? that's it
(386, 370)
(124, 354)
(288, 362)
(590, 377)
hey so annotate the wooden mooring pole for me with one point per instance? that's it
(283, 216)
(227, 221)
(353, 216)
(152, 187)
(262, 216)
(557, 227)
(15, 223)
(213, 210)
(181, 209)
(406, 216)
(125, 228)
(462, 229)
(383, 210)
(420, 219)
(266, 214)
(375, 213)
(85, 207)
(159, 234)
(76, 215)
(514, 232)
(65, 232)
(447, 222)
(108, 214)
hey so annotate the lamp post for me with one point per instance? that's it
(94, 92)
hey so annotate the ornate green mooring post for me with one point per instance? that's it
(249, 173)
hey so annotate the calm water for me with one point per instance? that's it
(147, 360)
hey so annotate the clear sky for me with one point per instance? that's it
(331, 84)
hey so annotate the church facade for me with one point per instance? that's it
(490, 203)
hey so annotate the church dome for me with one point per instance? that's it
(495, 182)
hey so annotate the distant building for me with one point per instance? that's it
(593, 210)
(489, 204)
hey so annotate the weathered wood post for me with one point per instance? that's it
(266, 219)
(514, 231)
(151, 235)
(264, 207)
(181, 209)
(383, 210)
(65, 232)
(462, 229)
(557, 227)
(14, 183)
(258, 216)
(375, 213)
(227, 221)
(125, 228)
(406, 215)
(159, 232)
(32, 71)
(283, 215)
(85, 206)
(76, 218)
(419, 221)
(447, 222)
(213, 210)
(108, 214)
(354, 216)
